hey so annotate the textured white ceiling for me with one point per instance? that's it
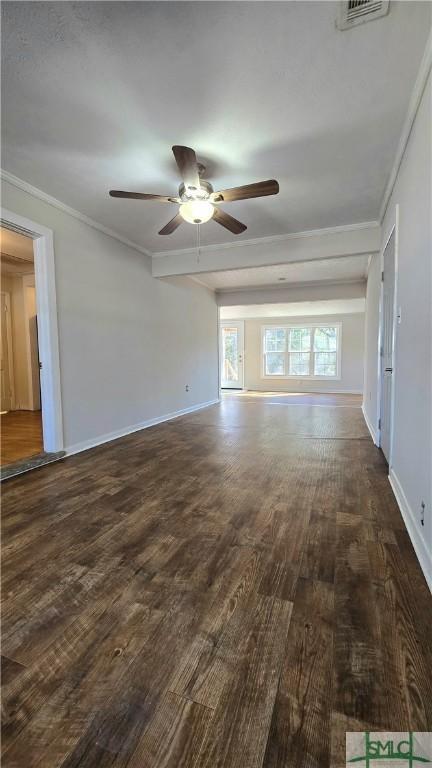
(95, 94)
(333, 270)
(295, 309)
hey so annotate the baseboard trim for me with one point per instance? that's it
(372, 430)
(109, 436)
(424, 557)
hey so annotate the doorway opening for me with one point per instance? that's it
(295, 347)
(232, 354)
(21, 413)
(31, 418)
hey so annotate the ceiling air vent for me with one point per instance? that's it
(353, 12)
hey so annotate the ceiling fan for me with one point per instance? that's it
(196, 199)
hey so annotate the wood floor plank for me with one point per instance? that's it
(175, 736)
(118, 719)
(318, 561)
(232, 589)
(21, 435)
(31, 636)
(340, 726)
(69, 655)
(210, 662)
(72, 701)
(301, 723)
(406, 650)
(238, 730)
(10, 670)
(358, 671)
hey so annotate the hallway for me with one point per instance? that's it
(21, 435)
(234, 588)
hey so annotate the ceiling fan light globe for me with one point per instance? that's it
(197, 211)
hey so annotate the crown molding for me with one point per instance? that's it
(414, 103)
(35, 192)
(268, 240)
(46, 198)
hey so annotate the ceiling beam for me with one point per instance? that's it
(351, 240)
(325, 290)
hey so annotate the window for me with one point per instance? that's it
(275, 340)
(302, 351)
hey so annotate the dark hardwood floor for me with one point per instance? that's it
(231, 589)
(21, 435)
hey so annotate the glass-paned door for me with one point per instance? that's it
(232, 354)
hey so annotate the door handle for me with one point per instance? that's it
(388, 370)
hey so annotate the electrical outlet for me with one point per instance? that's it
(422, 514)
(187, 388)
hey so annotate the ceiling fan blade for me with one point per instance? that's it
(227, 221)
(260, 189)
(172, 225)
(187, 165)
(143, 196)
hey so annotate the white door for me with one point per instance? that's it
(232, 354)
(6, 355)
(387, 346)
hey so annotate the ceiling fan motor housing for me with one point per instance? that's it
(189, 193)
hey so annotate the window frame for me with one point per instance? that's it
(308, 376)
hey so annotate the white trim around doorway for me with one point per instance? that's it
(241, 325)
(392, 228)
(46, 302)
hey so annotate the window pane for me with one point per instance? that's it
(325, 364)
(325, 339)
(299, 363)
(274, 364)
(274, 340)
(299, 339)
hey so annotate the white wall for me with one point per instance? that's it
(411, 461)
(129, 343)
(351, 360)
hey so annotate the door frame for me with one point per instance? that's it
(8, 304)
(393, 227)
(227, 322)
(46, 303)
